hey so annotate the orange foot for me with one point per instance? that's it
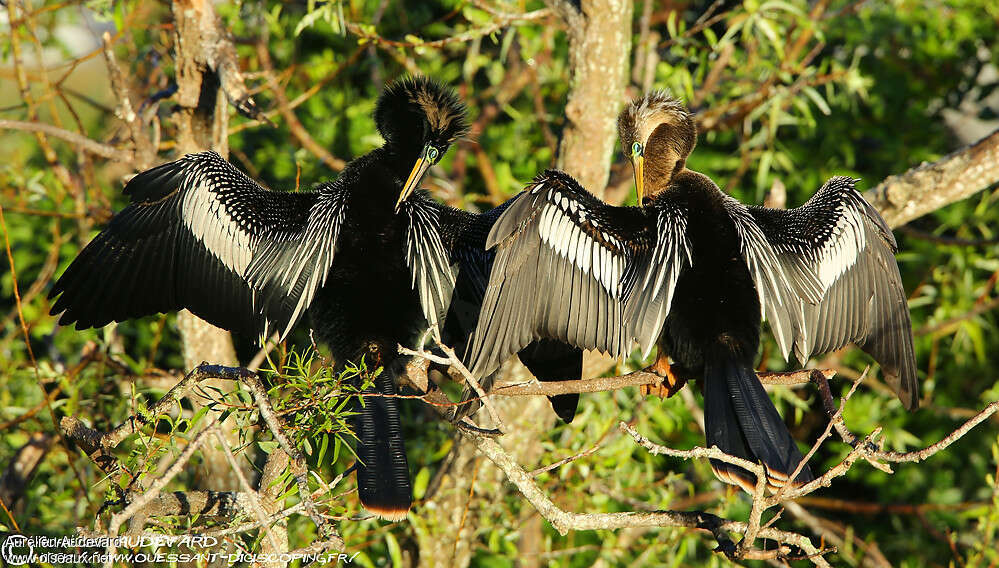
(671, 383)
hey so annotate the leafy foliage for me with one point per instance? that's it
(790, 90)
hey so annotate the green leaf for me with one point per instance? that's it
(768, 30)
(420, 483)
(671, 24)
(395, 553)
(818, 100)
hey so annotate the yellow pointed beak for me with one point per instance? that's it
(638, 163)
(415, 177)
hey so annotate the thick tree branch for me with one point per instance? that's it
(929, 187)
(205, 44)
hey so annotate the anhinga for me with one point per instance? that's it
(694, 271)
(370, 258)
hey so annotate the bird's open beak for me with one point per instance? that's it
(415, 177)
(638, 163)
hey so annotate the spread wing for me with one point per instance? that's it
(431, 235)
(294, 259)
(200, 235)
(571, 268)
(827, 277)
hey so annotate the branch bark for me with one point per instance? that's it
(78, 140)
(929, 187)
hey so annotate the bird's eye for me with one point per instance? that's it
(432, 154)
(636, 149)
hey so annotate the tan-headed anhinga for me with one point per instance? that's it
(694, 271)
(369, 257)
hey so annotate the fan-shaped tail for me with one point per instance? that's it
(383, 482)
(742, 421)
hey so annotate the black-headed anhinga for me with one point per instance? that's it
(694, 271)
(370, 258)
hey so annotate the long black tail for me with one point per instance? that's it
(742, 421)
(551, 360)
(383, 482)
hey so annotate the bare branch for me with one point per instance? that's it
(222, 504)
(564, 461)
(78, 140)
(91, 440)
(634, 379)
(920, 455)
(929, 187)
(712, 453)
(253, 497)
(153, 490)
(564, 521)
(455, 363)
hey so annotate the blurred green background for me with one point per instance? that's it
(873, 89)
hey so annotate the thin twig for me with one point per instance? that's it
(153, 491)
(78, 140)
(564, 461)
(254, 497)
(454, 362)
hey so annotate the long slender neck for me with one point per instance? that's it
(684, 181)
(660, 170)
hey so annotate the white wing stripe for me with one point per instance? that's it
(212, 224)
(841, 252)
(558, 230)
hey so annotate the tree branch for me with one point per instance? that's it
(78, 140)
(929, 187)
(150, 502)
(634, 379)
